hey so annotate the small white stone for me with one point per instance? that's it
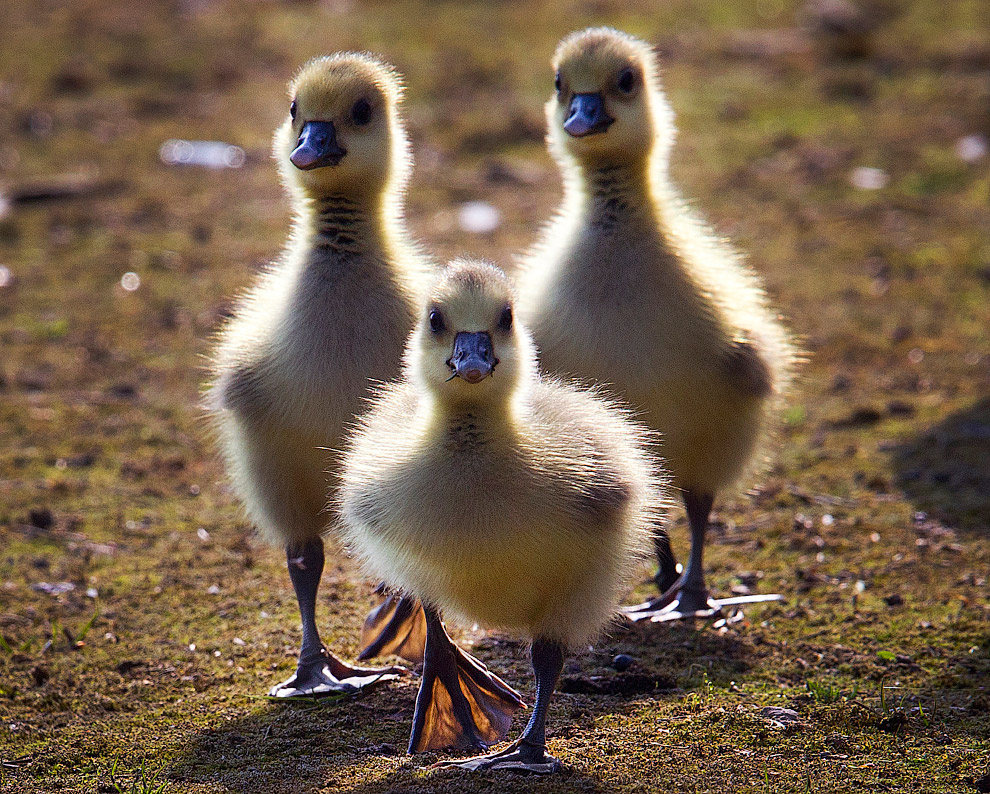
(866, 178)
(92, 592)
(130, 281)
(827, 520)
(972, 148)
(6, 276)
(202, 534)
(213, 590)
(207, 154)
(478, 217)
(239, 641)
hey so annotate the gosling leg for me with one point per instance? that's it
(689, 597)
(528, 753)
(318, 671)
(668, 570)
(460, 704)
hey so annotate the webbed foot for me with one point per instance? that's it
(397, 626)
(680, 603)
(326, 674)
(520, 756)
(460, 704)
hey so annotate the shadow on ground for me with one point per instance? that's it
(357, 744)
(352, 744)
(945, 471)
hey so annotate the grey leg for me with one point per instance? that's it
(319, 672)
(693, 593)
(529, 752)
(689, 597)
(667, 569)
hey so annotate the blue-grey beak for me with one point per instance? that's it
(474, 357)
(317, 146)
(587, 116)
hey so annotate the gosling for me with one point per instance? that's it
(628, 289)
(328, 318)
(502, 498)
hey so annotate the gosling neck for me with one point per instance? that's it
(342, 225)
(470, 425)
(614, 194)
(349, 224)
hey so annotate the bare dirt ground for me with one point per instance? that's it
(149, 673)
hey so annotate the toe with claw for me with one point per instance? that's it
(520, 756)
(329, 675)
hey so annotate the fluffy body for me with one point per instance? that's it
(329, 318)
(627, 288)
(524, 509)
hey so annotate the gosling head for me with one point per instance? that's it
(467, 347)
(343, 133)
(608, 107)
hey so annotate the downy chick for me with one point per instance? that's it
(628, 289)
(494, 495)
(325, 321)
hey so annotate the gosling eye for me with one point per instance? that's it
(505, 319)
(557, 82)
(361, 112)
(437, 324)
(627, 80)
(292, 110)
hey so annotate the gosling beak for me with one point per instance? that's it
(317, 146)
(473, 358)
(587, 116)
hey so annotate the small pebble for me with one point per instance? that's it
(622, 662)
(53, 588)
(972, 148)
(780, 716)
(478, 217)
(866, 178)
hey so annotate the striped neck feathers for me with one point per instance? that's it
(347, 227)
(611, 195)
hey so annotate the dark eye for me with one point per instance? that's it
(437, 325)
(361, 112)
(292, 110)
(505, 319)
(556, 82)
(626, 80)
